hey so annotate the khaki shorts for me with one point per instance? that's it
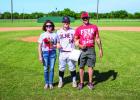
(87, 57)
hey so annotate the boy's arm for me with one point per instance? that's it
(58, 45)
(58, 42)
(76, 41)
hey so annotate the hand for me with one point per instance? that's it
(82, 46)
(40, 59)
(58, 46)
(55, 46)
(101, 53)
(77, 43)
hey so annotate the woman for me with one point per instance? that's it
(47, 52)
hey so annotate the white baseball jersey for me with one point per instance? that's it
(46, 35)
(66, 39)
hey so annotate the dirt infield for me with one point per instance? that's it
(34, 38)
(5, 29)
(30, 39)
(135, 29)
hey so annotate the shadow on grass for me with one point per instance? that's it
(98, 77)
(104, 76)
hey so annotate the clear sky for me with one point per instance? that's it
(29, 6)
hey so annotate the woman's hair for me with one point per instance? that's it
(48, 21)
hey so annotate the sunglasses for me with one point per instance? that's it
(49, 25)
(66, 23)
(85, 18)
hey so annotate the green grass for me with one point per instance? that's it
(117, 77)
(102, 22)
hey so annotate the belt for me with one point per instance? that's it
(85, 49)
(65, 51)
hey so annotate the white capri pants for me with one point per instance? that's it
(64, 60)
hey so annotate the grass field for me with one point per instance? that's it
(117, 77)
(102, 22)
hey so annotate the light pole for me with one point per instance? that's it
(12, 11)
(0, 15)
(97, 9)
(56, 11)
(23, 14)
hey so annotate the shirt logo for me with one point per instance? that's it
(87, 35)
(87, 31)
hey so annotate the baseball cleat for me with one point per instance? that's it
(60, 84)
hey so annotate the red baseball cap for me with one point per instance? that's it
(84, 14)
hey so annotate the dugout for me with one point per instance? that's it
(56, 19)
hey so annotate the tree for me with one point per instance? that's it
(130, 16)
(16, 15)
(36, 15)
(27, 16)
(123, 14)
(119, 14)
(67, 12)
(21, 16)
(137, 15)
(6, 15)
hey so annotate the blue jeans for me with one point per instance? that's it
(49, 58)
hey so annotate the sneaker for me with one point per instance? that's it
(80, 86)
(46, 86)
(74, 84)
(90, 86)
(60, 84)
(51, 86)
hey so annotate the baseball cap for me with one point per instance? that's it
(84, 14)
(65, 19)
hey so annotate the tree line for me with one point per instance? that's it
(67, 12)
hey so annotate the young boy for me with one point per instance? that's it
(65, 43)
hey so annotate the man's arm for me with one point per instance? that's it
(98, 40)
(76, 41)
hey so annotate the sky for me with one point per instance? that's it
(45, 6)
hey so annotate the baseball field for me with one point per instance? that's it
(117, 76)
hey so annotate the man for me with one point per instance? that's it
(65, 43)
(86, 35)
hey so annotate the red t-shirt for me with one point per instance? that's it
(87, 34)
